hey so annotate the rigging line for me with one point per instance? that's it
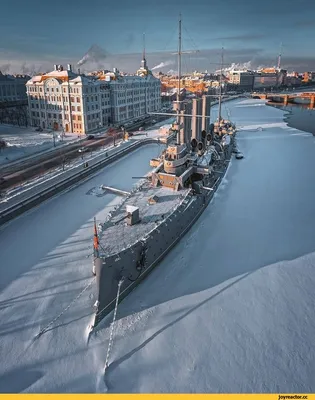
(192, 41)
(170, 39)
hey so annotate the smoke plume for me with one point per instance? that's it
(162, 65)
(95, 54)
(238, 67)
(5, 68)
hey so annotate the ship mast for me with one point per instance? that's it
(179, 76)
(179, 55)
(220, 92)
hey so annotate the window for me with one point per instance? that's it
(55, 116)
(79, 118)
(49, 115)
(72, 99)
(79, 108)
(73, 108)
(78, 99)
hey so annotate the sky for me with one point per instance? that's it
(34, 34)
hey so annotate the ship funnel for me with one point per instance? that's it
(203, 138)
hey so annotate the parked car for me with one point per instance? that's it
(141, 128)
(90, 137)
(83, 150)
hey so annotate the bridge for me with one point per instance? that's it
(307, 98)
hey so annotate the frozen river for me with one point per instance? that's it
(230, 309)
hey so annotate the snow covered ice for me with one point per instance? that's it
(45, 263)
(230, 309)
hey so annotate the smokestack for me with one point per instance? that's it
(79, 71)
(196, 121)
(205, 112)
(185, 133)
(69, 68)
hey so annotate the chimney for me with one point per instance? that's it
(55, 67)
(79, 71)
(69, 67)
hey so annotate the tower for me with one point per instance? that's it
(144, 61)
(143, 70)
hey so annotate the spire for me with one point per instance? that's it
(279, 57)
(144, 61)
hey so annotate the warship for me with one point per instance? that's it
(151, 219)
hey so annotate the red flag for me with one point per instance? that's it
(95, 241)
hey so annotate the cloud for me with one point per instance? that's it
(162, 65)
(207, 59)
(245, 37)
(305, 23)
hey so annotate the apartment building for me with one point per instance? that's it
(65, 101)
(133, 97)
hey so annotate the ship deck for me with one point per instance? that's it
(117, 234)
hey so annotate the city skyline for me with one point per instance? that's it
(43, 34)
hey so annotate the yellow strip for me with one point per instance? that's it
(274, 396)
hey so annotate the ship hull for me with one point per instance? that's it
(157, 244)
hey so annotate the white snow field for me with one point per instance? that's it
(45, 263)
(230, 309)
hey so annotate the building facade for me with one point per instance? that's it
(64, 101)
(265, 81)
(133, 97)
(244, 80)
(12, 87)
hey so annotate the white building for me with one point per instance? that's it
(133, 97)
(64, 101)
